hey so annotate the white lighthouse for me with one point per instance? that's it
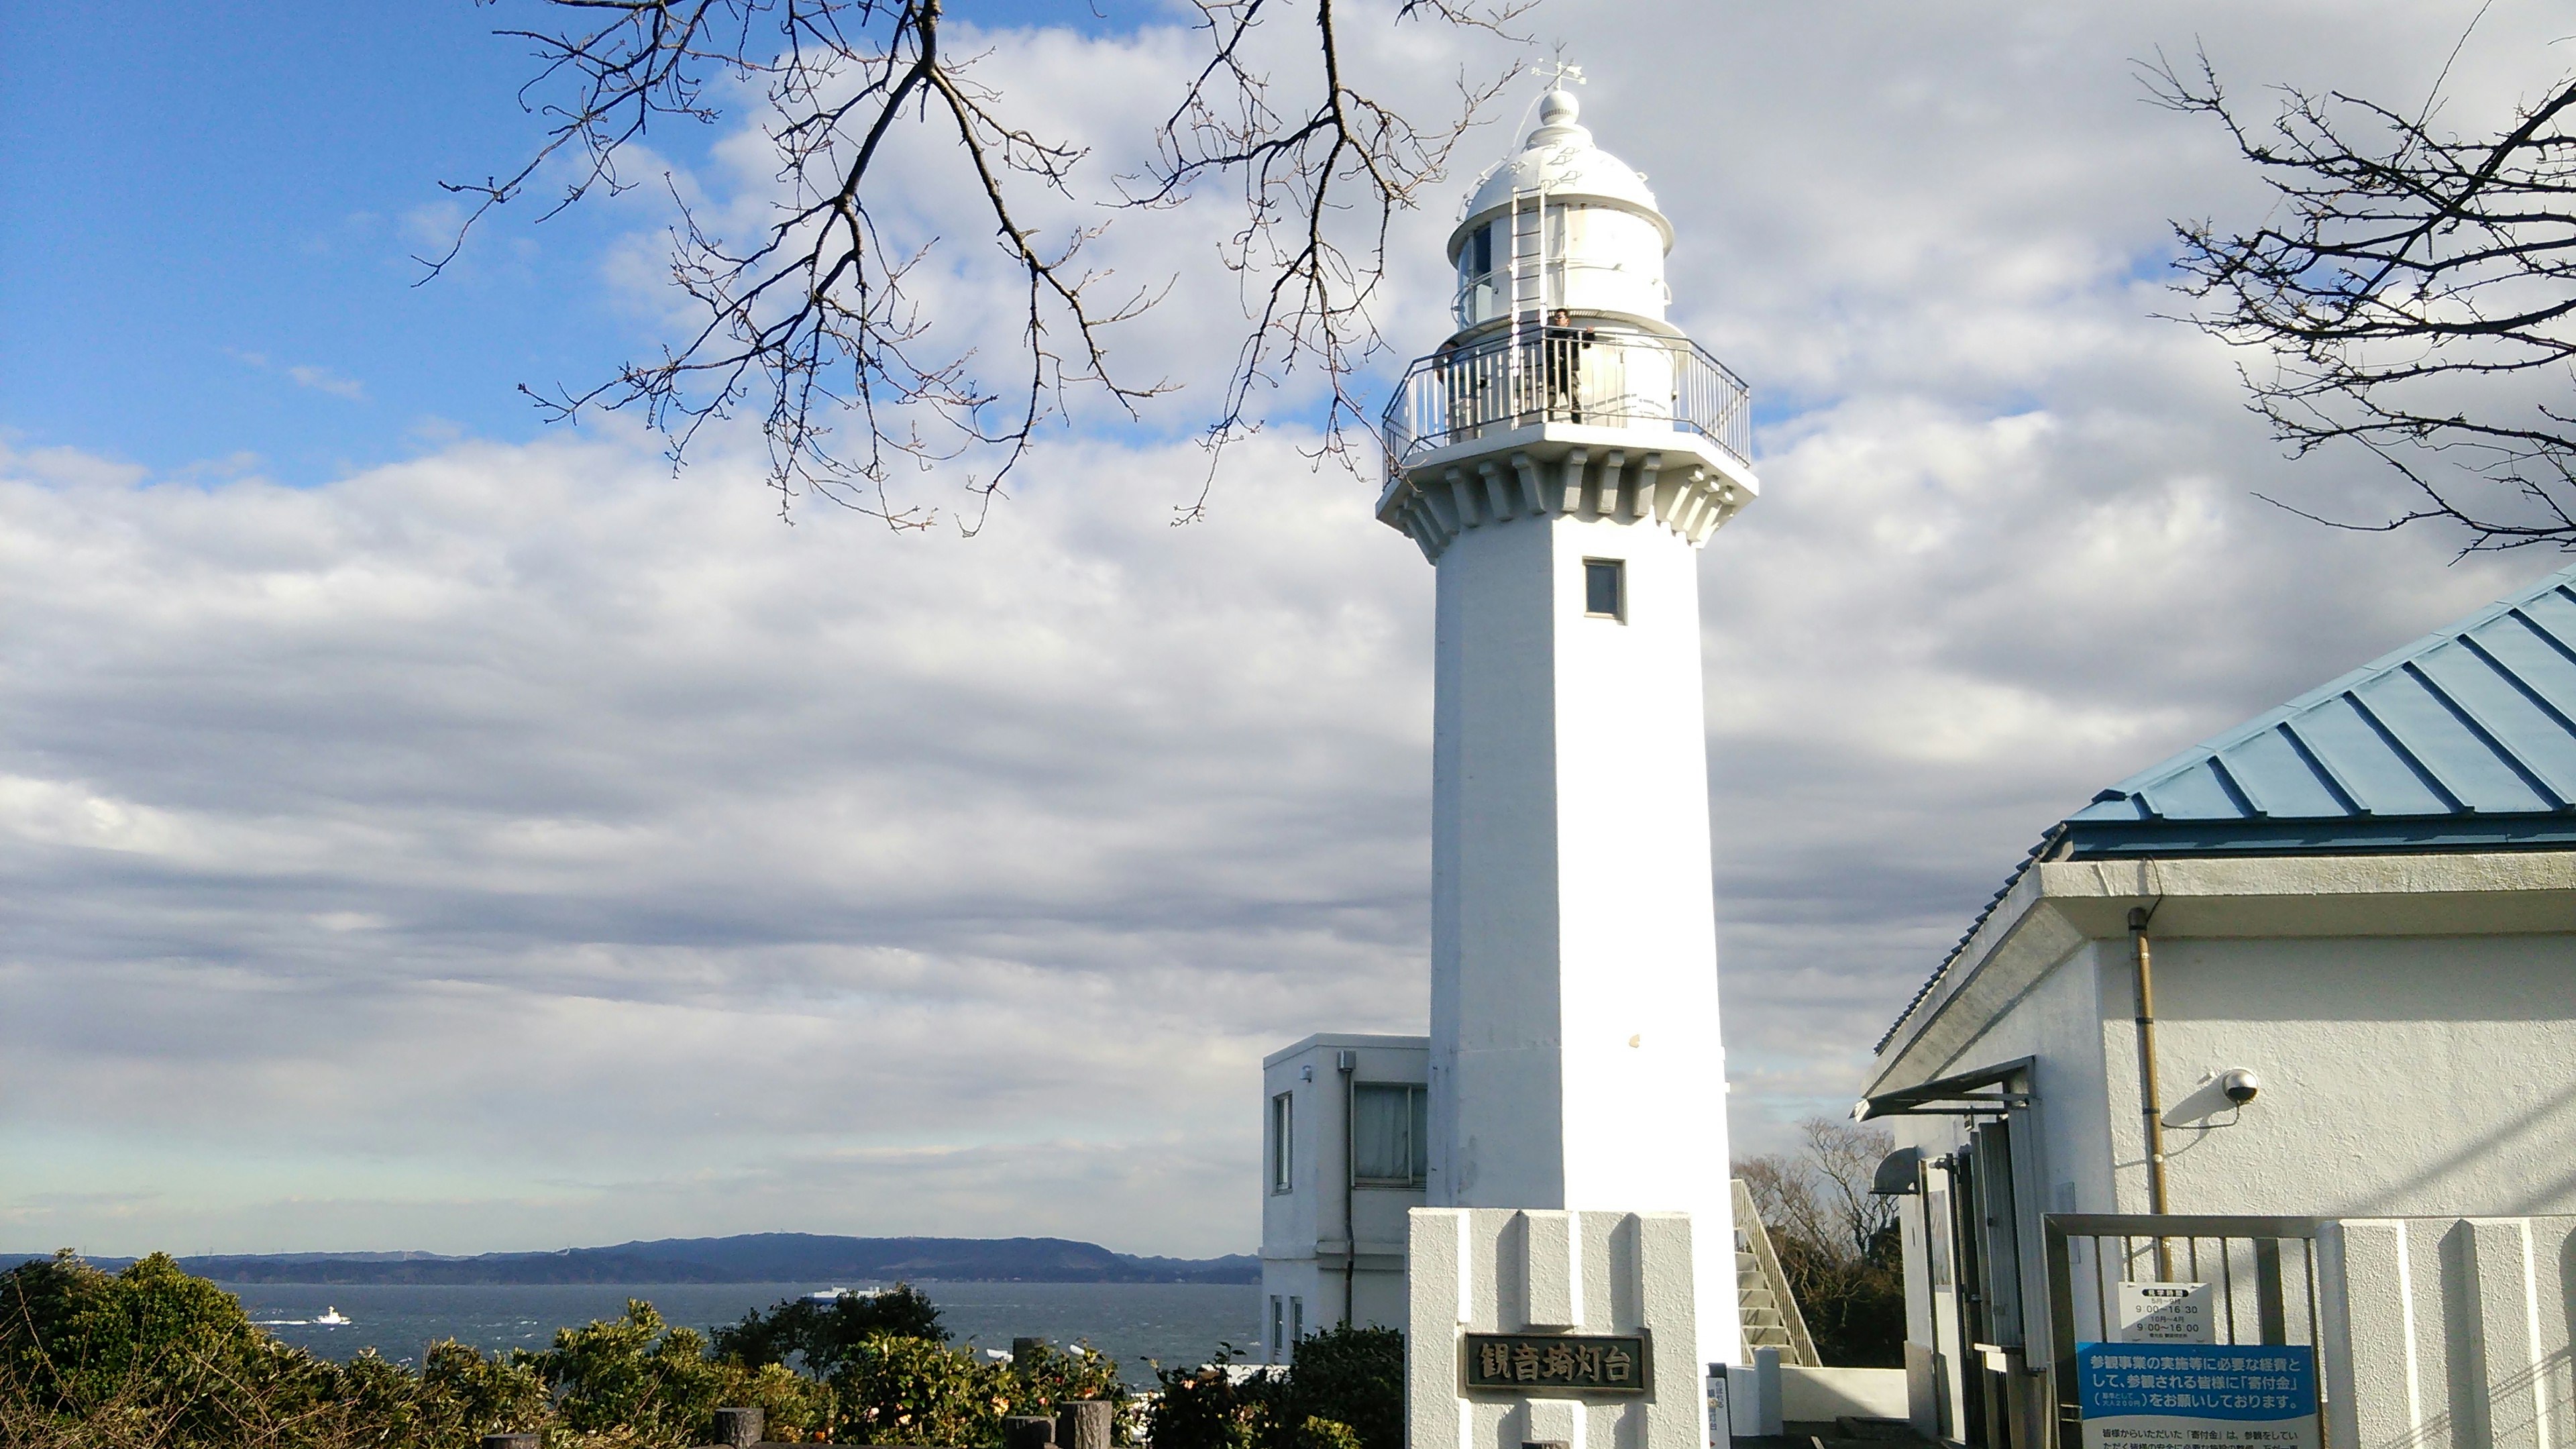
(1559, 460)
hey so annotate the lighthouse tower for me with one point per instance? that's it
(1560, 460)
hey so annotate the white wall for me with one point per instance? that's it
(1303, 1240)
(1494, 889)
(2058, 1156)
(1576, 1057)
(2401, 1075)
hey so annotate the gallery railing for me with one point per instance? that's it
(1567, 375)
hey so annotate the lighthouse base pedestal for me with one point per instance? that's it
(1566, 1328)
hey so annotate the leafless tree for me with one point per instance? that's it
(1832, 1237)
(2416, 290)
(811, 317)
(1820, 1196)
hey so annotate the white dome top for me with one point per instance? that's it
(1559, 155)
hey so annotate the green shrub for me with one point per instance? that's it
(1035, 1383)
(1351, 1378)
(891, 1390)
(1209, 1408)
(636, 1380)
(897, 1390)
(151, 1358)
(819, 1335)
(1322, 1433)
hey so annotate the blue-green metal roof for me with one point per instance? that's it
(2464, 739)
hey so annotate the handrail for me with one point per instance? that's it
(1591, 376)
(1748, 1221)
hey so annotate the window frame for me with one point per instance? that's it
(1617, 569)
(1283, 1142)
(1415, 1093)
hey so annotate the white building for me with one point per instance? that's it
(1559, 459)
(2319, 971)
(1345, 1150)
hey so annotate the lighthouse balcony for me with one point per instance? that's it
(1546, 378)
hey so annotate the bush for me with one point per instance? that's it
(1322, 1433)
(821, 1335)
(1345, 1391)
(151, 1358)
(1209, 1407)
(1351, 1379)
(893, 1390)
(636, 1380)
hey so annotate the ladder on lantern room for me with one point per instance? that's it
(1770, 1311)
(1525, 264)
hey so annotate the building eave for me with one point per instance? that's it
(2056, 905)
(2106, 840)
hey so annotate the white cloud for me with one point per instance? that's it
(523, 845)
(322, 379)
(538, 819)
(307, 375)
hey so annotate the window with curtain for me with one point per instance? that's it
(1283, 1141)
(1390, 1133)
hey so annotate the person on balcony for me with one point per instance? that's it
(1562, 344)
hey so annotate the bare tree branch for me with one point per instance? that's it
(2417, 292)
(815, 321)
(1299, 170)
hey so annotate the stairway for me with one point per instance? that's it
(1771, 1316)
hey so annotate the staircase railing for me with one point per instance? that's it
(1801, 1347)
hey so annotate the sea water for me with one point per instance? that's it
(1140, 1324)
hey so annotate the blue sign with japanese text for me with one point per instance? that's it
(2197, 1396)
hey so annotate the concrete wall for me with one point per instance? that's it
(2449, 1333)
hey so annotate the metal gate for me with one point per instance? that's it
(2262, 1272)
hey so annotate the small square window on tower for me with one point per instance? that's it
(1605, 588)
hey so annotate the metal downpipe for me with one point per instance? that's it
(2150, 1102)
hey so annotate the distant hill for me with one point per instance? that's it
(749, 1258)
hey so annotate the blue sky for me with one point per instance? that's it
(208, 200)
(424, 828)
(213, 214)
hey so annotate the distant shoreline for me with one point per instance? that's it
(745, 1258)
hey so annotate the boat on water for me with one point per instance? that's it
(332, 1317)
(835, 1295)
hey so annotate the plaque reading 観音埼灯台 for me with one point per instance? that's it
(1560, 1363)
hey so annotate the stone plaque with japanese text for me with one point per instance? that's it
(1557, 1363)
